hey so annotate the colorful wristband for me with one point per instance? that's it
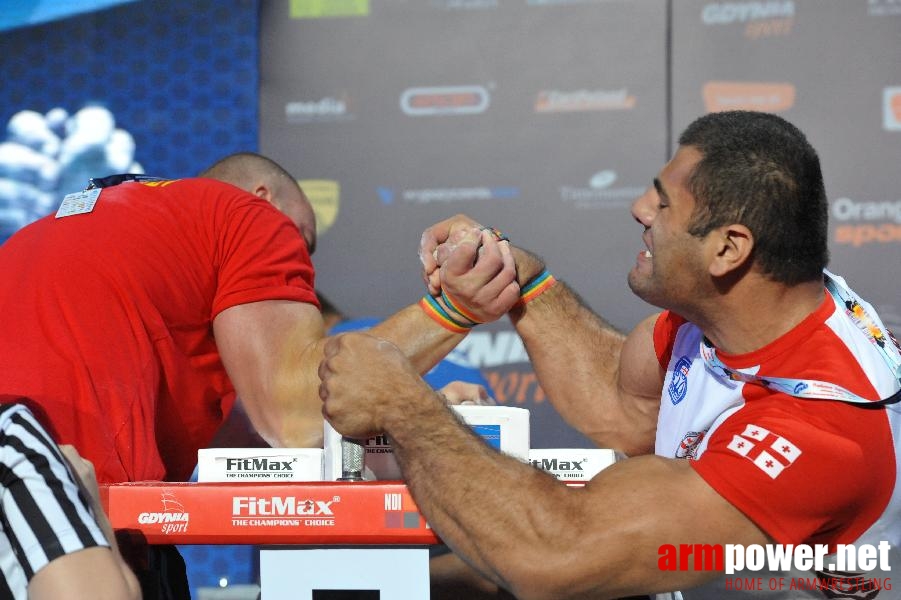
(437, 313)
(459, 309)
(537, 286)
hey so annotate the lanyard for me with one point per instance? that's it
(113, 180)
(860, 313)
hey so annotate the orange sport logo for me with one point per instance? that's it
(747, 95)
(891, 109)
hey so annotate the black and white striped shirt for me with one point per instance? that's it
(43, 514)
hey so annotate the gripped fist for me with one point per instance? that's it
(448, 232)
(479, 276)
(365, 382)
(463, 392)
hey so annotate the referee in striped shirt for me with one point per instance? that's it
(55, 540)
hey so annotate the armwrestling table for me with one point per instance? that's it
(325, 540)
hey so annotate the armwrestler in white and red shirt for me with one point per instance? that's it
(783, 412)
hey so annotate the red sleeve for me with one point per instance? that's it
(804, 471)
(665, 328)
(261, 256)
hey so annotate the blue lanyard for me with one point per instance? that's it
(812, 389)
(114, 180)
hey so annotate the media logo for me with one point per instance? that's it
(173, 518)
(734, 95)
(557, 101)
(761, 19)
(839, 571)
(862, 223)
(600, 192)
(325, 197)
(318, 9)
(891, 109)
(327, 109)
(444, 101)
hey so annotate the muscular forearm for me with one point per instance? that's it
(518, 526)
(422, 341)
(540, 539)
(273, 349)
(471, 509)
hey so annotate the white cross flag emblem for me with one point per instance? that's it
(771, 453)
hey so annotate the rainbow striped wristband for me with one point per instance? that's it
(459, 309)
(537, 286)
(437, 313)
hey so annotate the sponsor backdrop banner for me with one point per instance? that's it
(842, 88)
(543, 118)
(546, 118)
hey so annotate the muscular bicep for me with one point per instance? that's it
(271, 350)
(665, 502)
(618, 535)
(639, 384)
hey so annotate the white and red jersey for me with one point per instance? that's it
(805, 471)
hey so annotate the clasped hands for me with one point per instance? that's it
(366, 381)
(471, 266)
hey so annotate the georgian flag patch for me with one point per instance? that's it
(771, 453)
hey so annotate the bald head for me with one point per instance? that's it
(267, 179)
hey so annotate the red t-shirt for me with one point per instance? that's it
(107, 316)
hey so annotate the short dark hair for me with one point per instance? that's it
(759, 170)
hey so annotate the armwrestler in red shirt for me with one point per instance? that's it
(135, 315)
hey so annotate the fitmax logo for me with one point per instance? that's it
(258, 464)
(552, 464)
(278, 506)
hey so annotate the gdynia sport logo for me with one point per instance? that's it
(849, 567)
